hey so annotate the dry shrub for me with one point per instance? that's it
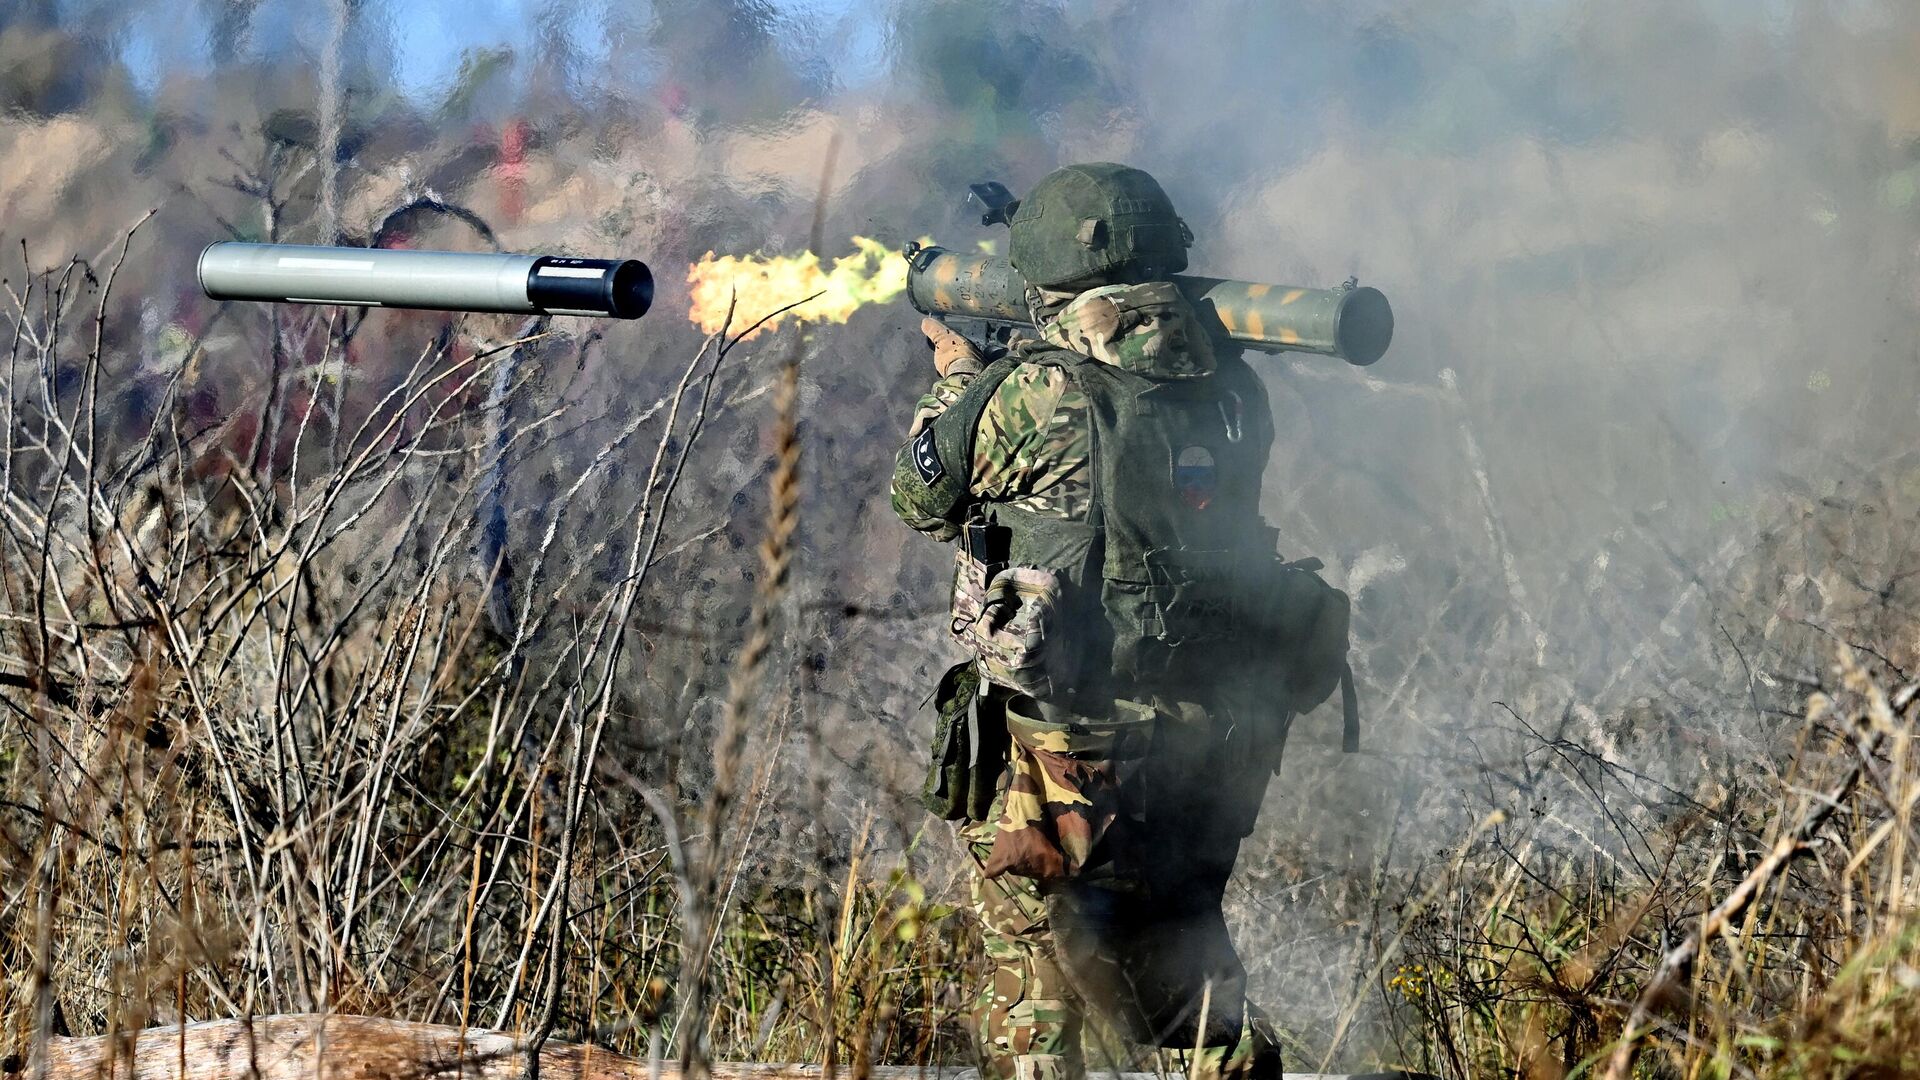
(285, 732)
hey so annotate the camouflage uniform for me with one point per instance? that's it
(1032, 450)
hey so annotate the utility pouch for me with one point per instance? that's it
(981, 553)
(1173, 602)
(1014, 636)
(969, 748)
(1307, 622)
(951, 755)
(947, 792)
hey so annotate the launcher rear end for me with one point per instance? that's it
(1352, 322)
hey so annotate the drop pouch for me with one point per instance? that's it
(968, 752)
(1306, 623)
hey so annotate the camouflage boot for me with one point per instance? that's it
(1027, 1022)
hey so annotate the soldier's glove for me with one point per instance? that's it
(953, 354)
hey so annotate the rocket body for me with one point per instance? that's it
(1352, 323)
(439, 280)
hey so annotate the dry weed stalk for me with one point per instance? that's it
(267, 750)
(1871, 725)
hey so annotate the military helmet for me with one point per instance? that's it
(1096, 224)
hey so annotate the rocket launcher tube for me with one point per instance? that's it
(438, 280)
(1352, 323)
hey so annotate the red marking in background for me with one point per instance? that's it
(674, 98)
(513, 170)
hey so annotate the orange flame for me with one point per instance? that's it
(756, 286)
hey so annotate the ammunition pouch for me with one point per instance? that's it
(1007, 616)
(969, 604)
(969, 748)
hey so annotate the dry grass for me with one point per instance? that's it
(345, 665)
(1768, 931)
(281, 735)
(289, 728)
(1750, 913)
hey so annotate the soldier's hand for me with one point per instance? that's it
(952, 352)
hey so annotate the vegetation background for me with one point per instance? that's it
(567, 677)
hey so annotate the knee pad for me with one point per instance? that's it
(1021, 1025)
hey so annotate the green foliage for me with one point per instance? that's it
(481, 71)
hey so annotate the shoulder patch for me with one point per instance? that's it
(926, 458)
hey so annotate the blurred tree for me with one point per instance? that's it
(49, 65)
(1000, 64)
(556, 63)
(722, 61)
(232, 22)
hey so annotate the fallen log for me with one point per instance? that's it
(315, 1047)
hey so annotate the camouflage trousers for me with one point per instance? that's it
(1029, 1018)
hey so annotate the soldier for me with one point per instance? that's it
(1123, 604)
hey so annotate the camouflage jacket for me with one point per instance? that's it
(1032, 447)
